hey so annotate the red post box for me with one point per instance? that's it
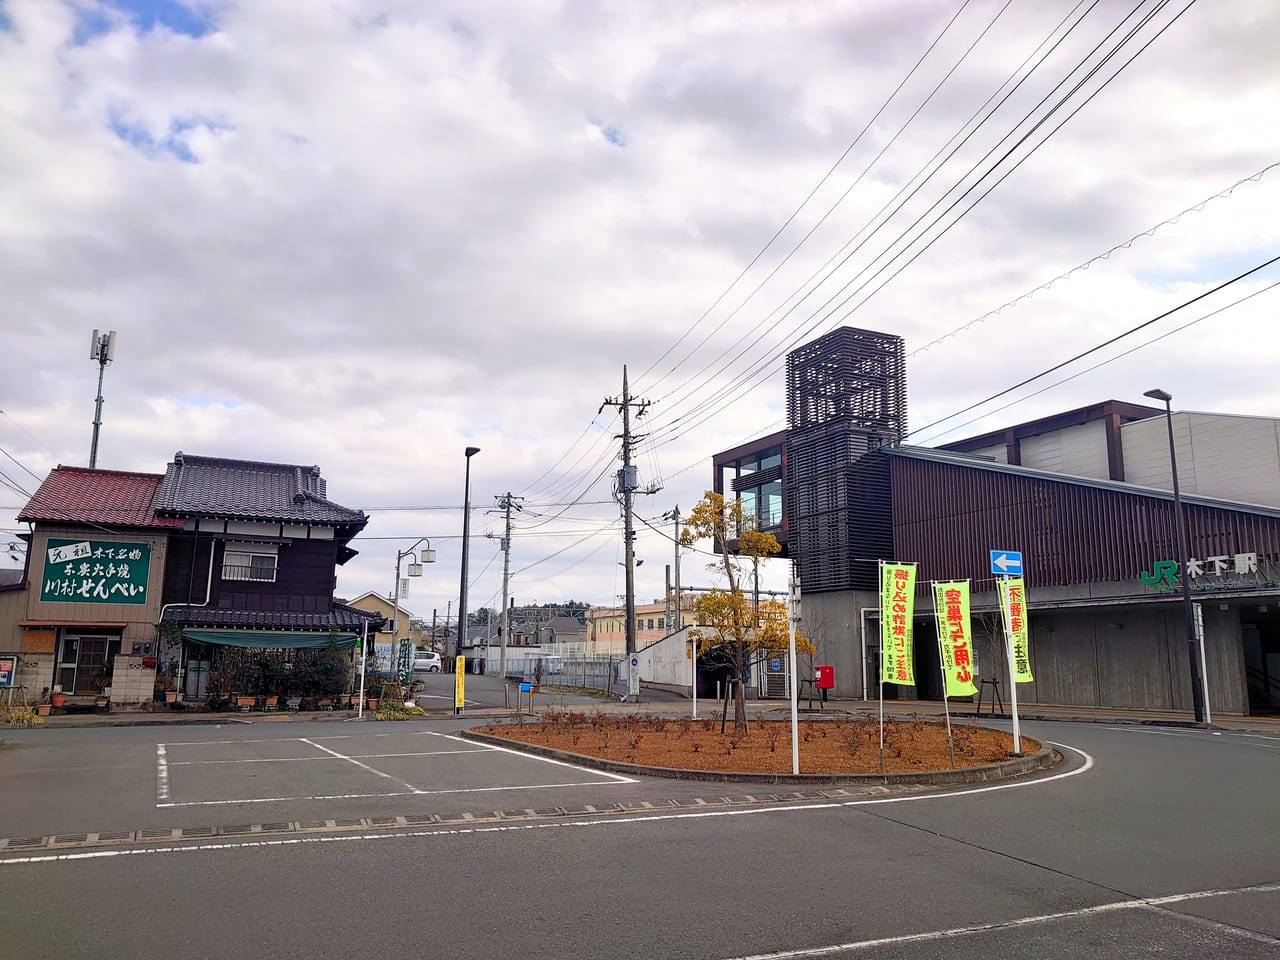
(824, 676)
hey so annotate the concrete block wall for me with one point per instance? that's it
(131, 682)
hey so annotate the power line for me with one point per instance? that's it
(825, 177)
(1084, 265)
(745, 386)
(844, 257)
(1118, 356)
(1100, 346)
(747, 336)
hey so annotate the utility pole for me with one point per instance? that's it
(627, 485)
(507, 503)
(102, 349)
(675, 515)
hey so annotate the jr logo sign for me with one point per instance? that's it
(1163, 575)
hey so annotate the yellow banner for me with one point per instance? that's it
(897, 606)
(1013, 599)
(951, 604)
(459, 681)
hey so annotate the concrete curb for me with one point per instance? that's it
(1006, 770)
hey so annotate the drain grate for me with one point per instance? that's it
(64, 840)
(24, 842)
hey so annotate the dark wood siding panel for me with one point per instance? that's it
(947, 517)
(305, 571)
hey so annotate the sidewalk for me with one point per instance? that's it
(550, 700)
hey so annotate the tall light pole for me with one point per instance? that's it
(1197, 690)
(102, 349)
(466, 536)
(415, 570)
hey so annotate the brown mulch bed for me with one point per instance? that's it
(845, 745)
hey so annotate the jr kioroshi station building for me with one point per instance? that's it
(1085, 496)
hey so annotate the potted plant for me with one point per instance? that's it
(102, 683)
(167, 680)
(44, 706)
(373, 692)
(57, 698)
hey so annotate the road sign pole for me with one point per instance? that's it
(793, 618)
(1002, 592)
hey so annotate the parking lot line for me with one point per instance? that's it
(162, 773)
(362, 766)
(402, 793)
(530, 756)
(459, 745)
(357, 756)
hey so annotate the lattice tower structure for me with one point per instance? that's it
(846, 398)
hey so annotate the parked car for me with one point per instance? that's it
(426, 661)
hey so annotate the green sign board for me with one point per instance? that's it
(404, 666)
(95, 571)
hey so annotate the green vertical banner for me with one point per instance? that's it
(951, 604)
(897, 606)
(1013, 597)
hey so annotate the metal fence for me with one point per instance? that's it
(586, 673)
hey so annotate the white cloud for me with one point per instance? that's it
(405, 231)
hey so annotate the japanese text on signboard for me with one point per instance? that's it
(95, 571)
(897, 607)
(1013, 596)
(951, 604)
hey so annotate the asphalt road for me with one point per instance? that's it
(1144, 843)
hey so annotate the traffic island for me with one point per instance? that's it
(832, 750)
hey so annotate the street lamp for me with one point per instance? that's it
(414, 570)
(466, 534)
(1197, 690)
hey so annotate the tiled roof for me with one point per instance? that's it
(107, 497)
(339, 617)
(214, 487)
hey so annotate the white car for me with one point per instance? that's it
(426, 661)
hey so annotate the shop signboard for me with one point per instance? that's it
(95, 571)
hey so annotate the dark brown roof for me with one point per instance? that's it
(339, 616)
(107, 497)
(249, 490)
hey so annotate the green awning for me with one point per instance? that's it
(271, 639)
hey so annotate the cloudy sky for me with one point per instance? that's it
(368, 233)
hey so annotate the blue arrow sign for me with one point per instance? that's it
(1006, 562)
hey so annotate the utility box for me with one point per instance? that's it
(824, 676)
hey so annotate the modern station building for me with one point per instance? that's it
(1085, 496)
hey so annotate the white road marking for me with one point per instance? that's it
(1113, 907)
(162, 773)
(402, 793)
(1192, 736)
(358, 756)
(530, 756)
(362, 766)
